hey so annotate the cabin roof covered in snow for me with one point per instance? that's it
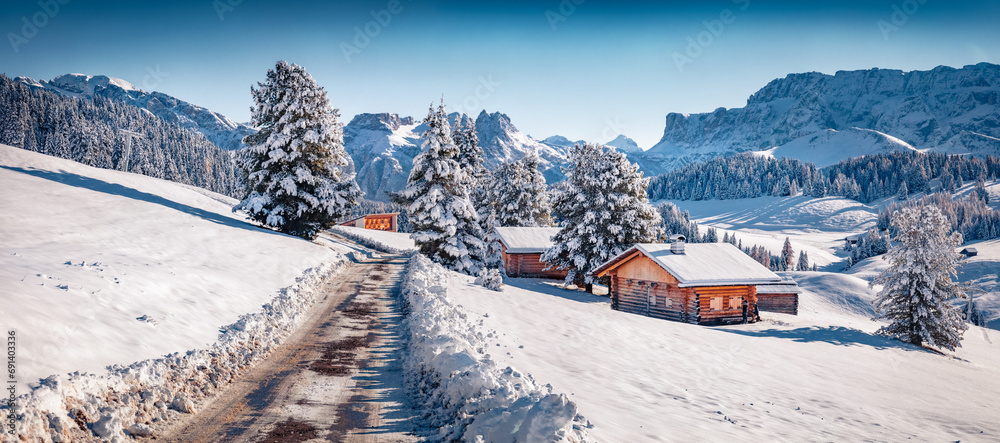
(702, 264)
(522, 240)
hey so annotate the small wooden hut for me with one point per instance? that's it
(378, 222)
(522, 250)
(702, 283)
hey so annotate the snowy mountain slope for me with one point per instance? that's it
(382, 148)
(99, 267)
(830, 146)
(621, 143)
(820, 375)
(624, 144)
(937, 109)
(216, 127)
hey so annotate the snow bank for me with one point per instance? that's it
(138, 398)
(388, 242)
(464, 393)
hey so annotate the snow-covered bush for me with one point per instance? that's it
(490, 279)
(139, 398)
(463, 392)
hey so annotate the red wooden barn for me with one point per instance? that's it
(701, 283)
(522, 251)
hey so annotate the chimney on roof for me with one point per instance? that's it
(677, 244)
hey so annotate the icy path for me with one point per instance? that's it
(337, 378)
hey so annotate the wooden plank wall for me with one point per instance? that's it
(529, 265)
(731, 298)
(659, 300)
(780, 303)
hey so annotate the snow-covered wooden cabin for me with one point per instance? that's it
(522, 250)
(701, 283)
(378, 222)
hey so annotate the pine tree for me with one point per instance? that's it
(788, 255)
(470, 154)
(516, 194)
(918, 284)
(980, 191)
(603, 210)
(803, 261)
(903, 193)
(295, 165)
(445, 225)
(494, 249)
(712, 236)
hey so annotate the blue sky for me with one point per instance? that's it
(585, 69)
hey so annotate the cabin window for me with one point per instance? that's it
(667, 301)
(736, 302)
(715, 303)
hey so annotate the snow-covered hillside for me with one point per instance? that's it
(829, 147)
(822, 375)
(100, 267)
(382, 148)
(216, 127)
(947, 109)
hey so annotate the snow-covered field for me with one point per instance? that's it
(102, 268)
(821, 375)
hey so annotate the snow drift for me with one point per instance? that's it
(464, 393)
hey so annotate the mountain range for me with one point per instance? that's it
(814, 117)
(216, 127)
(843, 115)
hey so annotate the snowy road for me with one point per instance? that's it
(337, 378)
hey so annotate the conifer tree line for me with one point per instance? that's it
(864, 179)
(969, 216)
(735, 177)
(89, 131)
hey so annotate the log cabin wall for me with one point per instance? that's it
(653, 299)
(780, 303)
(528, 265)
(719, 304)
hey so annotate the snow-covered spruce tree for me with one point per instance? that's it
(445, 224)
(494, 248)
(295, 163)
(903, 193)
(516, 194)
(788, 256)
(803, 261)
(470, 154)
(918, 283)
(603, 210)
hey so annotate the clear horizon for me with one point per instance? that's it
(581, 69)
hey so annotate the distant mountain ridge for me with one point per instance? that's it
(942, 110)
(216, 127)
(382, 147)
